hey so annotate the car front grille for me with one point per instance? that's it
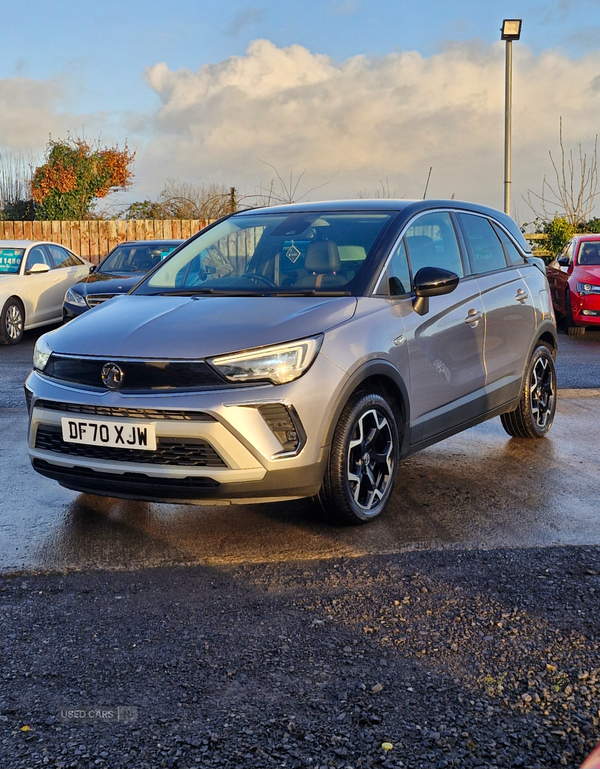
(95, 299)
(126, 413)
(188, 452)
(138, 375)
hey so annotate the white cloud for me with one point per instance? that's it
(28, 113)
(351, 124)
(354, 123)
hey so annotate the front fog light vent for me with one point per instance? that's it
(285, 426)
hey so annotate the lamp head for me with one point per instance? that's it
(511, 29)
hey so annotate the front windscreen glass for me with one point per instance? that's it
(10, 260)
(273, 253)
(135, 257)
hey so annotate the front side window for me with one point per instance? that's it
(484, 245)
(431, 242)
(266, 253)
(398, 272)
(10, 260)
(38, 255)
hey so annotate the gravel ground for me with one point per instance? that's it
(446, 659)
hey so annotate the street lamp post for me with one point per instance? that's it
(511, 30)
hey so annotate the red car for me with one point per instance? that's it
(574, 278)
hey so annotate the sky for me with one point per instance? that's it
(360, 96)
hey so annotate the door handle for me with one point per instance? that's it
(473, 317)
(521, 296)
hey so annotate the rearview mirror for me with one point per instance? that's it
(432, 281)
(563, 261)
(38, 268)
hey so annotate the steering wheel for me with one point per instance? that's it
(259, 278)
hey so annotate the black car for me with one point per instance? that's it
(116, 274)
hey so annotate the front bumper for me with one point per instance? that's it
(586, 309)
(228, 445)
(71, 311)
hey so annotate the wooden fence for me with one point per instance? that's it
(94, 238)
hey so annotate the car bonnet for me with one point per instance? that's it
(184, 328)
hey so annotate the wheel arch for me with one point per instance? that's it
(381, 377)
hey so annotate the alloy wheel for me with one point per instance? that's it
(370, 460)
(14, 322)
(541, 392)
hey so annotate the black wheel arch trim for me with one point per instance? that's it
(380, 369)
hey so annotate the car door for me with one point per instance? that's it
(445, 346)
(509, 307)
(67, 269)
(39, 289)
(558, 275)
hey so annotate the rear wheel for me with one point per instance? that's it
(12, 322)
(570, 327)
(535, 412)
(363, 460)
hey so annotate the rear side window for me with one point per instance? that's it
(431, 242)
(484, 245)
(511, 251)
(63, 258)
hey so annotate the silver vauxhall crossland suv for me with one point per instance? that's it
(299, 351)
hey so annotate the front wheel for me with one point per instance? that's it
(363, 461)
(535, 412)
(12, 322)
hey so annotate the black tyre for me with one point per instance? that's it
(12, 322)
(535, 413)
(570, 327)
(363, 461)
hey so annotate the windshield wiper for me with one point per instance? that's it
(199, 291)
(247, 292)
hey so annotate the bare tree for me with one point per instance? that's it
(15, 186)
(382, 194)
(181, 200)
(279, 191)
(572, 194)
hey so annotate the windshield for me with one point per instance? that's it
(589, 254)
(136, 257)
(10, 260)
(273, 253)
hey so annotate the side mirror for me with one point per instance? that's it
(563, 261)
(37, 269)
(432, 281)
(92, 268)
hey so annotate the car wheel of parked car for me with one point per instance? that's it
(570, 327)
(363, 460)
(535, 413)
(12, 322)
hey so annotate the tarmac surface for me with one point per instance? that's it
(479, 489)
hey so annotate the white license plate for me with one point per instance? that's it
(95, 432)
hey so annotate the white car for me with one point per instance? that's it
(34, 276)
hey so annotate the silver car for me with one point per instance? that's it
(299, 351)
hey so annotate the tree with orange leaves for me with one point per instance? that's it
(75, 175)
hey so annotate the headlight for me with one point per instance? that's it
(72, 297)
(41, 353)
(280, 364)
(583, 289)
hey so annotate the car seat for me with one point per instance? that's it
(322, 264)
